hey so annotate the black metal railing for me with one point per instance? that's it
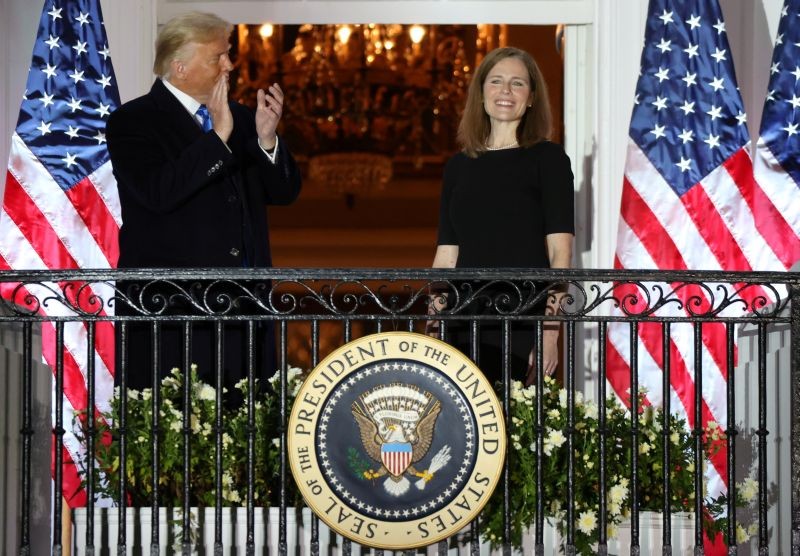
(317, 310)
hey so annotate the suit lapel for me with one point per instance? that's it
(174, 113)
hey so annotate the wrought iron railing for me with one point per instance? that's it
(350, 303)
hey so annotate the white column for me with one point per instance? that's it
(131, 30)
(618, 38)
(18, 27)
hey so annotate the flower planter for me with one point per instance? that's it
(234, 531)
(650, 538)
(234, 534)
(651, 528)
(460, 545)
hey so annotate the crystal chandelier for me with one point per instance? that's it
(363, 102)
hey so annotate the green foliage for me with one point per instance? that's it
(201, 425)
(587, 438)
(357, 464)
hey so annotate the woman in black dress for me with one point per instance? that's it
(507, 202)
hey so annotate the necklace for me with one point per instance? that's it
(501, 147)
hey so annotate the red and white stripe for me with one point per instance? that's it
(725, 222)
(396, 461)
(43, 227)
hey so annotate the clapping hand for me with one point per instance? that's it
(268, 113)
(219, 109)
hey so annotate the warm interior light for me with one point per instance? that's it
(266, 30)
(343, 33)
(388, 44)
(417, 32)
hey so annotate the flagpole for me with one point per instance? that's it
(66, 528)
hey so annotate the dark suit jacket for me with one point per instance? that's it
(187, 201)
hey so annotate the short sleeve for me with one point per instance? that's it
(447, 233)
(558, 193)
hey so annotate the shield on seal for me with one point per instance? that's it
(396, 456)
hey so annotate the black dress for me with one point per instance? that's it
(498, 208)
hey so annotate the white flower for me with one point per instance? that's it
(748, 489)
(175, 426)
(587, 522)
(554, 414)
(644, 448)
(553, 440)
(741, 535)
(276, 442)
(590, 410)
(171, 381)
(231, 496)
(614, 508)
(562, 398)
(674, 438)
(226, 440)
(293, 373)
(195, 424)
(516, 392)
(617, 493)
(207, 393)
(147, 393)
(612, 531)
(529, 393)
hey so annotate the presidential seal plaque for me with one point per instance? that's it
(396, 440)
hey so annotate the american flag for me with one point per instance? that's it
(690, 201)
(60, 205)
(776, 157)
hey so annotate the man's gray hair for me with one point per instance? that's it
(177, 34)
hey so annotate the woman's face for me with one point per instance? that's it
(507, 91)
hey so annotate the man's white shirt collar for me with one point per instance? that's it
(187, 101)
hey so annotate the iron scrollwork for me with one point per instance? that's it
(223, 294)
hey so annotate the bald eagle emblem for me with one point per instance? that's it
(396, 423)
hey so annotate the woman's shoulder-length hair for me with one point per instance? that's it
(474, 128)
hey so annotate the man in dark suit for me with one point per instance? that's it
(195, 172)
